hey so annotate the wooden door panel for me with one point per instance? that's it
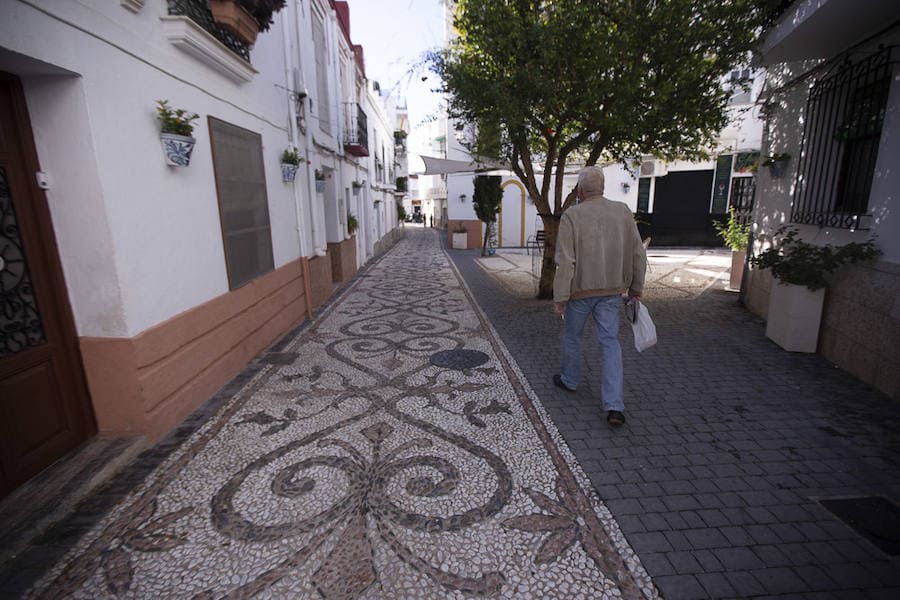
(38, 430)
(43, 398)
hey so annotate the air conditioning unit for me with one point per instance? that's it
(653, 168)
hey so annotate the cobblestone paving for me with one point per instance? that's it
(357, 462)
(729, 443)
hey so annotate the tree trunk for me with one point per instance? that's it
(484, 242)
(548, 265)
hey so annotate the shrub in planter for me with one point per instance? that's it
(802, 270)
(735, 235)
(797, 262)
(176, 129)
(352, 224)
(460, 236)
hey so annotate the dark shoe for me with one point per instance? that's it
(615, 418)
(558, 382)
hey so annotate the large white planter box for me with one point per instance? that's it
(794, 316)
(737, 269)
(460, 241)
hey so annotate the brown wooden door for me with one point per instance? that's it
(44, 407)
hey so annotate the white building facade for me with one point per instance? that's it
(832, 106)
(133, 290)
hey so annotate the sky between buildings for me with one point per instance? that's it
(395, 34)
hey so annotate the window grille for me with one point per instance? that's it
(243, 204)
(643, 198)
(844, 117)
(743, 190)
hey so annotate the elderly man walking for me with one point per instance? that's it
(599, 257)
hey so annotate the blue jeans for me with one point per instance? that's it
(605, 310)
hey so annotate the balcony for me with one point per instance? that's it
(198, 11)
(356, 132)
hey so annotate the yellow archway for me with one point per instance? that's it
(521, 187)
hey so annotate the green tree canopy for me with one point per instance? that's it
(486, 200)
(572, 81)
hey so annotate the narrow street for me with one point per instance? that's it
(391, 450)
(409, 443)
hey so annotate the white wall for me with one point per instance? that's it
(784, 134)
(163, 222)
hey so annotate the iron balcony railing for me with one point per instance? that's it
(198, 12)
(356, 130)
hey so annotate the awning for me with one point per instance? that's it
(443, 166)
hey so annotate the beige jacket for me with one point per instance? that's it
(598, 251)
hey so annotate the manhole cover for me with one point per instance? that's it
(459, 359)
(876, 519)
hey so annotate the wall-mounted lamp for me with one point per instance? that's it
(626, 187)
(462, 198)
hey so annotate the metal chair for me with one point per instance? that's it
(535, 242)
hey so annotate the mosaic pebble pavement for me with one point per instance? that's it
(354, 467)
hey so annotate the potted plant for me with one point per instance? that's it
(320, 181)
(801, 271)
(460, 236)
(231, 15)
(357, 185)
(735, 235)
(352, 224)
(290, 161)
(245, 18)
(777, 164)
(176, 129)
(401, 213)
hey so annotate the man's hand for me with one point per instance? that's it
(559, 308)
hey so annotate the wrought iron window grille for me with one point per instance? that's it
(743, 191)
(844, 117)
(198, 12)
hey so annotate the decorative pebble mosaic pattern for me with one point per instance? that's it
(353, 467)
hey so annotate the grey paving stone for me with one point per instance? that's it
(701, 539)
(655, 522)
(680, 587)
(850, 575)
(744, 584)
(749, 441)
(652, 541)
(657, 564)
(737, 559)
(716, 585)
(816, 578)
(780, 580)
(708, 560)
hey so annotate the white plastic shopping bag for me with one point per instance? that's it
(641, 324)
